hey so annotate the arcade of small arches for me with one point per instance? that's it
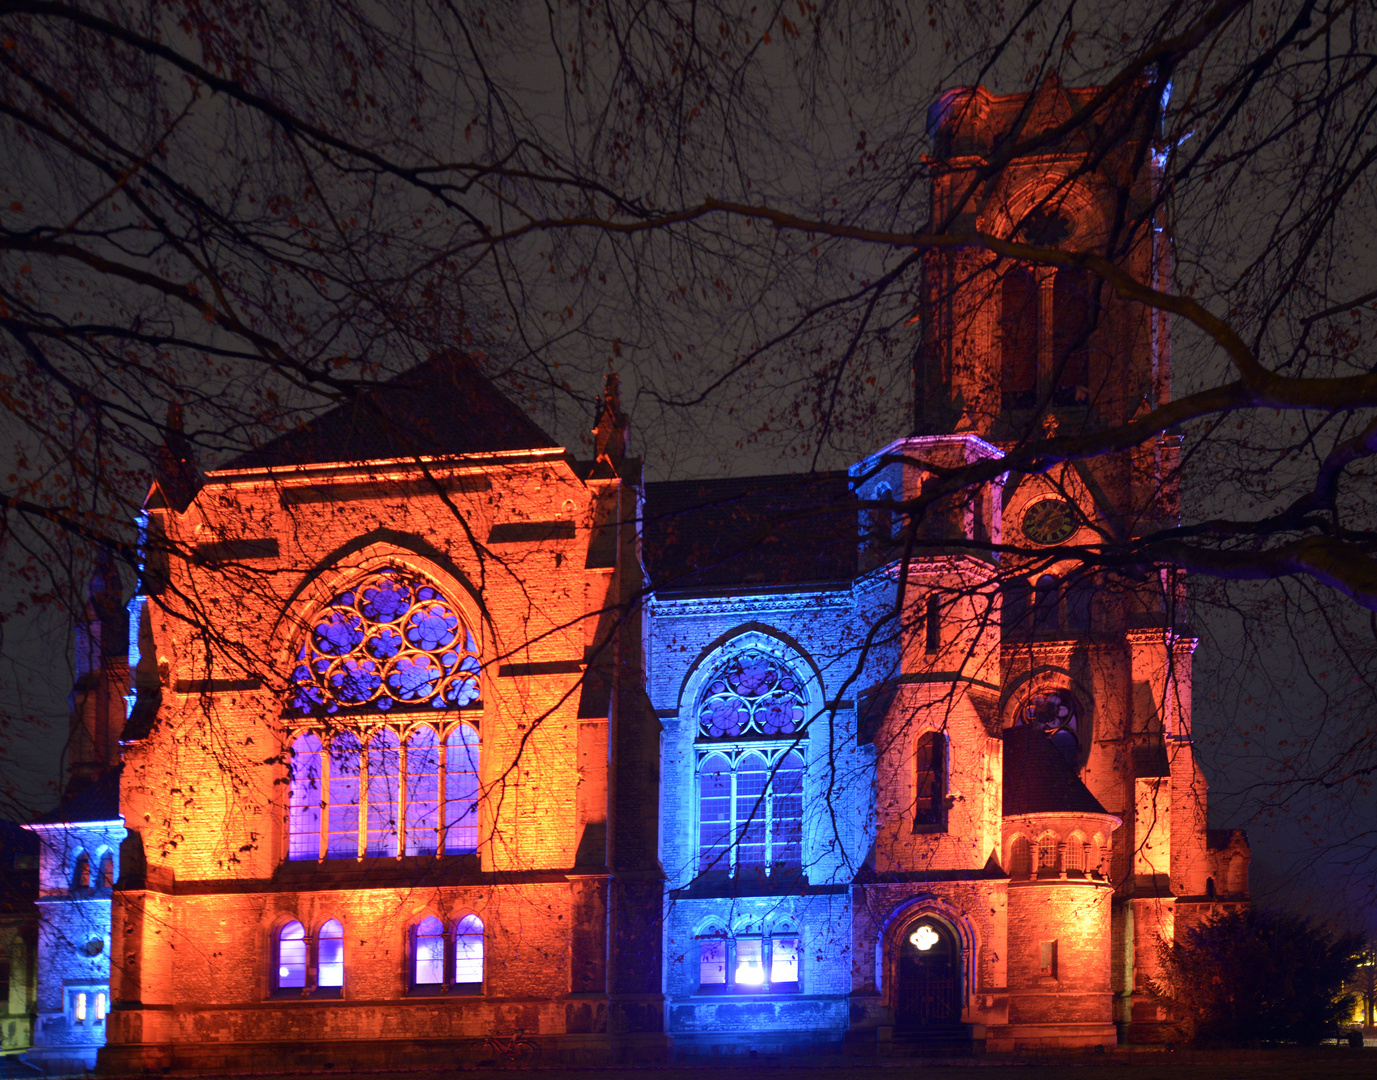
(438, 960)
(81, 876)
(1049, 853)
(753, 958)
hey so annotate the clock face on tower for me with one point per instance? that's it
(1049, 522)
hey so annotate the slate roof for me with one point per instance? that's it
(99, 802)
(443, 406)
(1038, 780)
(750, 531)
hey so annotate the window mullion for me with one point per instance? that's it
(403, 775)
(767, 808)
(361, 837)
(734, 836)
(323, 828)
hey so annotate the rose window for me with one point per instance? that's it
(1056, 713)
(752, 694)
(393, 641)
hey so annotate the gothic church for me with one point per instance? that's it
(438, 744)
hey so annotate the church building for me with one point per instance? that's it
(424, 740)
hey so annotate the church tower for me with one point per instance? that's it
(1018, 351)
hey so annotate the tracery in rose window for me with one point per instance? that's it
(391, 642)
(753, 693)
(1056, 713)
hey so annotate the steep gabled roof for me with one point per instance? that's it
(1038, 780)
(753, 530)
(443, 406)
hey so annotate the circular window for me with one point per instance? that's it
(1056, 713)
(751, 694)
(393, 641)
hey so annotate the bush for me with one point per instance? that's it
(1257, 976)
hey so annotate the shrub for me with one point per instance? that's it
(1257, 976)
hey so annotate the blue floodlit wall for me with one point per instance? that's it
(73, 942)
(816, 637)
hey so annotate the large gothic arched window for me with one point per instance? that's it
(750, 767)
(1056, 713)
(391, 642)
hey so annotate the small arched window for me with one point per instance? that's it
(306, 798)
(784, 953)
(428, 952)
(468, 952)
(1014, 607)
(1209, 888)
(1020, 858)
(291, 956)
(712, 959)
(1047, 604)
(1073, 293)
(1074, 856)
(384, 781)
(887, 523)
(100, 1009)
(930, 766)
(81, 872)
(106, 880)
(932, 623)
(1047, 852)
(1020, 319)
(461, 791)
(330, 947)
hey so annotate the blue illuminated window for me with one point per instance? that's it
(750, 962)
(349, 799)
(750, 811)
(391, 642)
(751, 694)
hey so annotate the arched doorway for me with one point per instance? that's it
(928, 988)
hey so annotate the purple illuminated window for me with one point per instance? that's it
(392, 642)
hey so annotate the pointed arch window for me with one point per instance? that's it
(1020, 320)
(384, 778)
(1073, 294)
(428, 953)
(930, 789)
(106, 880)
(468, 953)
(330, 955)
(291, 956)
(81, 872)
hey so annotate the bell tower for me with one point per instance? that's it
(1010, 343)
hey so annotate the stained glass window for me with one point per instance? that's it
(461, 791)
(384, 778)
(751, 694)
(422, 791)
(391, 642)
(750, 812)
(307, 795)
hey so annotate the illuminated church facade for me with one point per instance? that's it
(438, 743)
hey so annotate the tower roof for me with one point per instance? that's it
(443, 406)
(1038, 780)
